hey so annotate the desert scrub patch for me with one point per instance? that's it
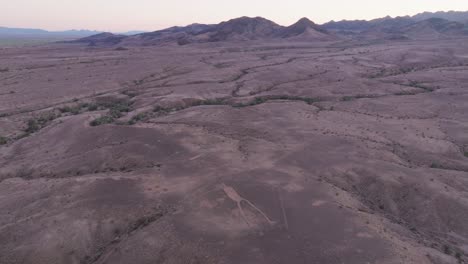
(85, 107)
(466, 153)
(261, 100)
(3, 140)
(74, 110)
(130, 93)
(158, 109)
(4, 69)
(139, 117)
(359, 96)
(215, 101)
(102, 120)
(35, 124)
(405, 93)
(416, 84)
(138, 82)
(116, 109)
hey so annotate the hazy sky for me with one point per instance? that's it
(122, 15)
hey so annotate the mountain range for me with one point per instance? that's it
(400, 27)
(32, 32)
(421, 26)
(257, 28)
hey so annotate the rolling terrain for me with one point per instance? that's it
(241, 142)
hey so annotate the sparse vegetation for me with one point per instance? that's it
(466, 153)
(216, 101)
(35, 124)
(102, 120)
(116, 110)
(261, 100)
(3, 140)
(70, 109)
(447, 250)
(416, 84)
(139, 117)
(130, 93)
(78, 108)
(347, 98)
(359, 96)
(406, 93)
(4, 69)
(137, 82)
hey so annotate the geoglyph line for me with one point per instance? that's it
(234, 196)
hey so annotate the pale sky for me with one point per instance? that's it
(123, 15)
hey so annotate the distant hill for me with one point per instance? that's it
(305, 29)
(435, 28)
(23, 32)
(457, 16)
(421, 26)
(6, 32)
(101, 39)
(244, 28)
(133, 32)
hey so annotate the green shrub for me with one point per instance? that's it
(3, 140)
(74, 110)
(261, 100)
(117, 108)
(130, 93)
(102, 120)
(466, 154)
(92, 107)
(32, 126)
(216, 101)
(35, 124)
(115, 113)
(347, 98)
(161, 110)
(138, 117)
(447, 250)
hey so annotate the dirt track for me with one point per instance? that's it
(235, 153)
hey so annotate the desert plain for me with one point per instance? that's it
(241, 152)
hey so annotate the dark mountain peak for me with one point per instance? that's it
(244, 28)
(104, 39)
(300, 27)
(249, 21)
(305, 20)
(101, 35)
(305, 29)
(304, 23)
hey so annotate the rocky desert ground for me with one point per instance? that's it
(338, 151)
